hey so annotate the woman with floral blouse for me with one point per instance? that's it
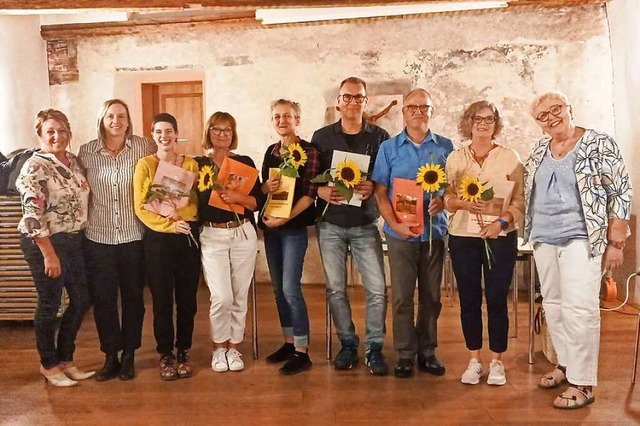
(55, 197)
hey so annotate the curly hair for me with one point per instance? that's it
(555, 94)
(51, 114)
(466, 121)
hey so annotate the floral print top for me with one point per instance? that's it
(55, 198)
(603, 183)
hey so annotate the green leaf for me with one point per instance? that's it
(347, 193)
(290, 172)
(323, 178)
(487, 194)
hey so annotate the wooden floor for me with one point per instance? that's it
(261, 396)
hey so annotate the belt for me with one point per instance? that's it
(226, 225)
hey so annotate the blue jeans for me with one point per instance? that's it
(68, 247)
(285, 251)
(366, 249)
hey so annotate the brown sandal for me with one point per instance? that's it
(553, 379)
(573, 398)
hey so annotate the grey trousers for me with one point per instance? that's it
(410, 262)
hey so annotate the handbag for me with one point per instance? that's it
(541, 328)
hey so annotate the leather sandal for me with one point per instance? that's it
(573, 398)
(553, 379)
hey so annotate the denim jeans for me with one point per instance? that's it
(366, 249)
(285, 250)
(411, 261)
(113, 267)
(468, 259)
(68, 247)
(172, 263)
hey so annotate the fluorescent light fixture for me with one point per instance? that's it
(288, 16)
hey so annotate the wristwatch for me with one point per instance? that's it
(617, 244)
(504, 224)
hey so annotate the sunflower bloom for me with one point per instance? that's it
(349, 173)
(205, 178)
(297, 156)
(431, 177)
(471, 189)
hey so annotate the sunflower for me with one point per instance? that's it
(205, 178)
(348, 173)
(431, 177)
(471, 189)
(297, 156)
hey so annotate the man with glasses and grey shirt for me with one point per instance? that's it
(343, 228)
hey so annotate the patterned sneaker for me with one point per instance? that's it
(219, 360)
(167, 367)
(496, 373)
(374, 359)
(184, 367)
(234, 358)
(346, 358)
(473, 373)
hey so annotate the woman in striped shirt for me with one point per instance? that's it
(113, 245)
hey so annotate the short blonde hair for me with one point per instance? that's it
(466, 121)
(554, 94)
(52, 114)
(103, 113)
(216, 117)
(292, 104)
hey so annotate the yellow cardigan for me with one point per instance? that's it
(142, 178)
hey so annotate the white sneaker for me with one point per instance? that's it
(496, 373)
(219, 360)
(473, 373)
(234, 358)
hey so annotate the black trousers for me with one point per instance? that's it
(113, 268)
(54, 349)
(469, 261)
(172, 264)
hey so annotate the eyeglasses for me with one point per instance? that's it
(478, 119)
(228, 131)
(554, 110)
(414, 108)
(347, 98)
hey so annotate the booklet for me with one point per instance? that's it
(502, 198)
(280, 202)
(363, 163)
(407, 201)
(237, 176)
(174, 186)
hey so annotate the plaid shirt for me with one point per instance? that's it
(304, 186)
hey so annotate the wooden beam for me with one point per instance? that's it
(189, 4)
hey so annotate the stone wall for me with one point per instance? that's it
(504, 56)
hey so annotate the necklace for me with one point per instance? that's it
(112, 150)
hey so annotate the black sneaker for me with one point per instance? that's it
(297, 363)
(375, 360)
(346, 358)
(404, 368)
(431, 365)
(282, 354)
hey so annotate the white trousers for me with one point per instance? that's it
(570, 284)
(228, 262)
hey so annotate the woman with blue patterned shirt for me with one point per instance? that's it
(578, 197)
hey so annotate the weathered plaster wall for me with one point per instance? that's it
(624, 16)
(504, 56)
(24, 88)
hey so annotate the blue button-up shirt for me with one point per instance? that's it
(399, 157)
